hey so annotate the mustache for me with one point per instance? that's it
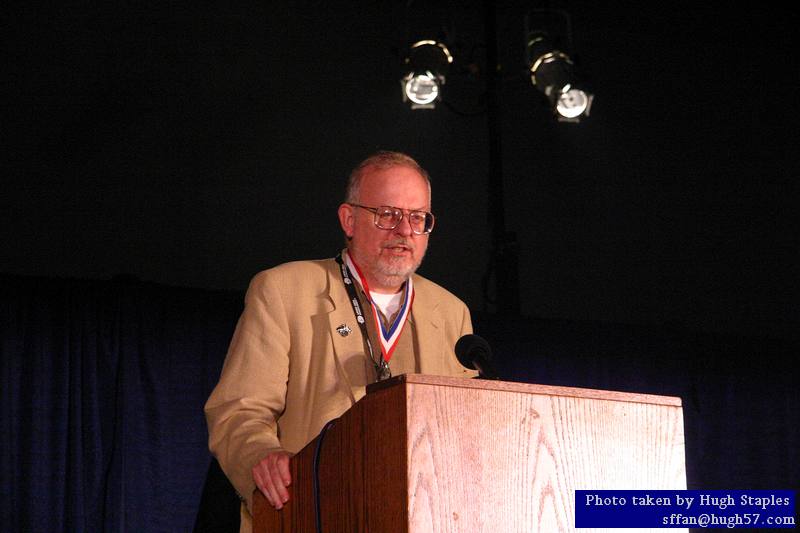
(398, 242)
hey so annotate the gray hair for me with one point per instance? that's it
(383, 160)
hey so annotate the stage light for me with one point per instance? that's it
(421, 89)
(552, 73)
(425, 70)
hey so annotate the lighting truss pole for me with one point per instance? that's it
(504, 260)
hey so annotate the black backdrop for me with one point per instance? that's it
(196, 145)
(103, 386)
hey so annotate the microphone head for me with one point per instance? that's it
(471, 348)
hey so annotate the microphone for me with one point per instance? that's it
(474, 352)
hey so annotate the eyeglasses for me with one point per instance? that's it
(388, 217)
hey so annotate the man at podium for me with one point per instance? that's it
(314, 334)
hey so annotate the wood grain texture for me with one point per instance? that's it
(498, 460)
(426, 454)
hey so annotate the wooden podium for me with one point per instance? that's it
(427, 454)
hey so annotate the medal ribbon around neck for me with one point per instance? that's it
(389, 337)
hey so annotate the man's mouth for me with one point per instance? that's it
(398, 248)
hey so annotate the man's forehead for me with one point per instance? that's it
(395, 178)
(391, 170)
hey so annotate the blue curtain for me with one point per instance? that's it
(740, 396)
(103, 386)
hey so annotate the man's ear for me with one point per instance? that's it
(346, 219)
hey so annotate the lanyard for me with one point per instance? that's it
(382, 370)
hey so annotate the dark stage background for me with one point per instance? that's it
(157, 155)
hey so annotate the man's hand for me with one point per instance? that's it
(272, 477)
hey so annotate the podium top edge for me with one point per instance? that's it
(527, 388)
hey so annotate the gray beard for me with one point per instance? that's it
(392, 274)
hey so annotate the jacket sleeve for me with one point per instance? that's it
(243, 408)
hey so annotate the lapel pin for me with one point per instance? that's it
(343, 330)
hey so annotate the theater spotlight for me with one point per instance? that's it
(425, 70)
(552, 73)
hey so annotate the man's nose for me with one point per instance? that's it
(404, 227)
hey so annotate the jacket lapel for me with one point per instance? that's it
(344, 330)
(430, 330)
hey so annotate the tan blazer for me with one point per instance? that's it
(288, 371)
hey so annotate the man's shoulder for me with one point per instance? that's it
(294, 272)
(432, 291)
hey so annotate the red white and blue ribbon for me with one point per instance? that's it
(389, 336)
